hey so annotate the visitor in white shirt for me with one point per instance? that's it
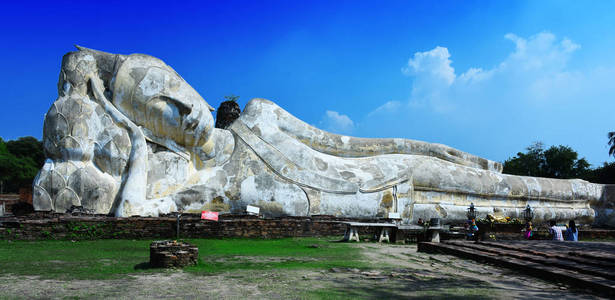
(555, 231)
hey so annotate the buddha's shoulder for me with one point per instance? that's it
(264, 111)
(258, 104)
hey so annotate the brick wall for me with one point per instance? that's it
(7, 201)
(63, 226)
(25, 195)
(79, 227)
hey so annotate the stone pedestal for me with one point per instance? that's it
(172, 254)
(433, 232)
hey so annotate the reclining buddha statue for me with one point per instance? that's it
(128, 136)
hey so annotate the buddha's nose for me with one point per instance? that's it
(190, 123)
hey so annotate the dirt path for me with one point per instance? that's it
(501, 283)
(398, 271)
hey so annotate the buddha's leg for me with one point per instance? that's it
(264, 114)
(445, 190)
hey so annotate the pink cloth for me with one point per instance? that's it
(209, 215)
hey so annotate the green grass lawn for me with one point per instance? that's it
(103, 259)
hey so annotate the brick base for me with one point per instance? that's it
(70, 227)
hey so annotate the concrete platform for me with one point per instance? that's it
(588, 265)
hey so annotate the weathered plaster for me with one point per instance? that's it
(128, 136)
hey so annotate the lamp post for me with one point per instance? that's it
(179, 215)
(471, 212)
(473, 229)
(528, 214)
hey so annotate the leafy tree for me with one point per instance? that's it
(555, 162)
(527, 164)
(563, 162)
(603, 174)
(18, 170)
(231, 97)
(228, 112)
(28, 147)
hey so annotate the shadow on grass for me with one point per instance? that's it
(144, 266)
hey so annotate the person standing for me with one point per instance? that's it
(572, 233)
(555, 231)
(528, 230)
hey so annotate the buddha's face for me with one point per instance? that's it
(155, 97)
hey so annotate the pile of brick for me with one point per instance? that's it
(172, 254)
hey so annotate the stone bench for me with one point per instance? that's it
(352, 231)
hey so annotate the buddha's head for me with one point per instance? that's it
(155, 97)
(148, 92)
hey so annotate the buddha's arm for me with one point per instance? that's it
(263, 113)
(133, 189)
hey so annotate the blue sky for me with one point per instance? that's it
(485, 77)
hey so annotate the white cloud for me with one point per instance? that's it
(475, 75)
(390, 106)
(337, 123)
(533, 93)
(434, 64)
(535, 71)
(540, 52)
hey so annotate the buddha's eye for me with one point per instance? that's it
(183, 107)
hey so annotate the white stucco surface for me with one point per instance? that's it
(128, 136)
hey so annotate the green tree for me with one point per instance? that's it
(563, 162)
(555, 162)
(603, 174)
(17, 171)
(231, 97)
(227, 112)
(527, 164)
(27, 147)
